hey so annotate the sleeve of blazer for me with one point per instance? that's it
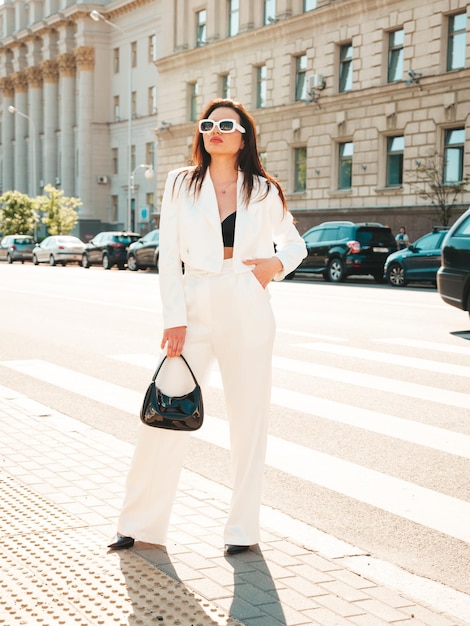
(170, 265)
(290, 247)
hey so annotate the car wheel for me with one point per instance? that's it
(105, 262)
(289, 276)
(9, 259)
(85, 261)
(132, 263)
(51, 260)
(335, 271)
(35, 260)
(156, 262)
(396, 275)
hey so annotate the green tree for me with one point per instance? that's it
(431, 185)
(60, 212)
(17, 215)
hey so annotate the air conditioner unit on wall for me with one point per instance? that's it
(316, 81)
(102, 180)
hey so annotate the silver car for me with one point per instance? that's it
(16, 248)
(59, 249)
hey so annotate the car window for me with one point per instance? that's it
(21, 241)
(464, 229)
(370, 236)
(428, 242)
(330, 234)
(312, 236)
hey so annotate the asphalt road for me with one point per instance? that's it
(370, 428)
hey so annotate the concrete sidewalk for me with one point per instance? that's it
(61, 489)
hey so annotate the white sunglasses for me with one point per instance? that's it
(225, 126)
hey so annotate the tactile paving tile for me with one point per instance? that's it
(55, 571)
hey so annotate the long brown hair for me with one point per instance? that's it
(248, 157)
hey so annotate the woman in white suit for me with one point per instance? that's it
(221, 219)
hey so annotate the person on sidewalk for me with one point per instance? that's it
(402, 239)
(226, 220)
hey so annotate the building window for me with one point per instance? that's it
(395, 55)
(134, 104)
(395, 149)
(150, 199)
(150, 154)
(116, 60)
(116, 109)
(309, 5)
(269, 15)
(300, 77)
(134, 54)
(193, 93)
(233, 17)
(300, 169)
(345, 158)
(345, 67)
(201, 17)
(261, 86)
(454, 149)
(114, 208)
(152, 48)
(115, 160)
(152, 100)
(225, 85)
(456, 41)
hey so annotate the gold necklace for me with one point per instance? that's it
(229, 185)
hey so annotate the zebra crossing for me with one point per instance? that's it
(410, 501)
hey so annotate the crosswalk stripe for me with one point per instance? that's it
(435, 510)
(370, 381)
(382, 423)
(391, 359)
(426, 345)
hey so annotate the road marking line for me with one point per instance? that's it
(369, 381)
(391, 359)
(426, 345)
(424, 506)
(424, 435)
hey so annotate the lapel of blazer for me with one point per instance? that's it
(207, 202)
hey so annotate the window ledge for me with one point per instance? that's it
(340, 192)
(389, 190)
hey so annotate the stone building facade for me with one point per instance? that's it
(386, 84)
(79, 90)
(349, 96)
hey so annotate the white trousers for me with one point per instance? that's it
(229, 319)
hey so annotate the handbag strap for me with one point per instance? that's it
(187, 365)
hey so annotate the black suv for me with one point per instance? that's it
(453, 277)
(108, 248)
(337, 250)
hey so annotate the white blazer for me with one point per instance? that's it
(190, 232)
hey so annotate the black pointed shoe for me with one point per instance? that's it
(121, 543)
(233, 549)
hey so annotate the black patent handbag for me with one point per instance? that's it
(172, 412)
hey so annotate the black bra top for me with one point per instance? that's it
(228, 229)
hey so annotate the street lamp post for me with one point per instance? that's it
(32, 133)
(149, 173)
(13, 109)
(97, 17)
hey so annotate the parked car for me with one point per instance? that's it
(337, 250)
(58, 250)
(16, 248)
(143, 253)
(453, 277)
(418, 262)
(108, 248)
